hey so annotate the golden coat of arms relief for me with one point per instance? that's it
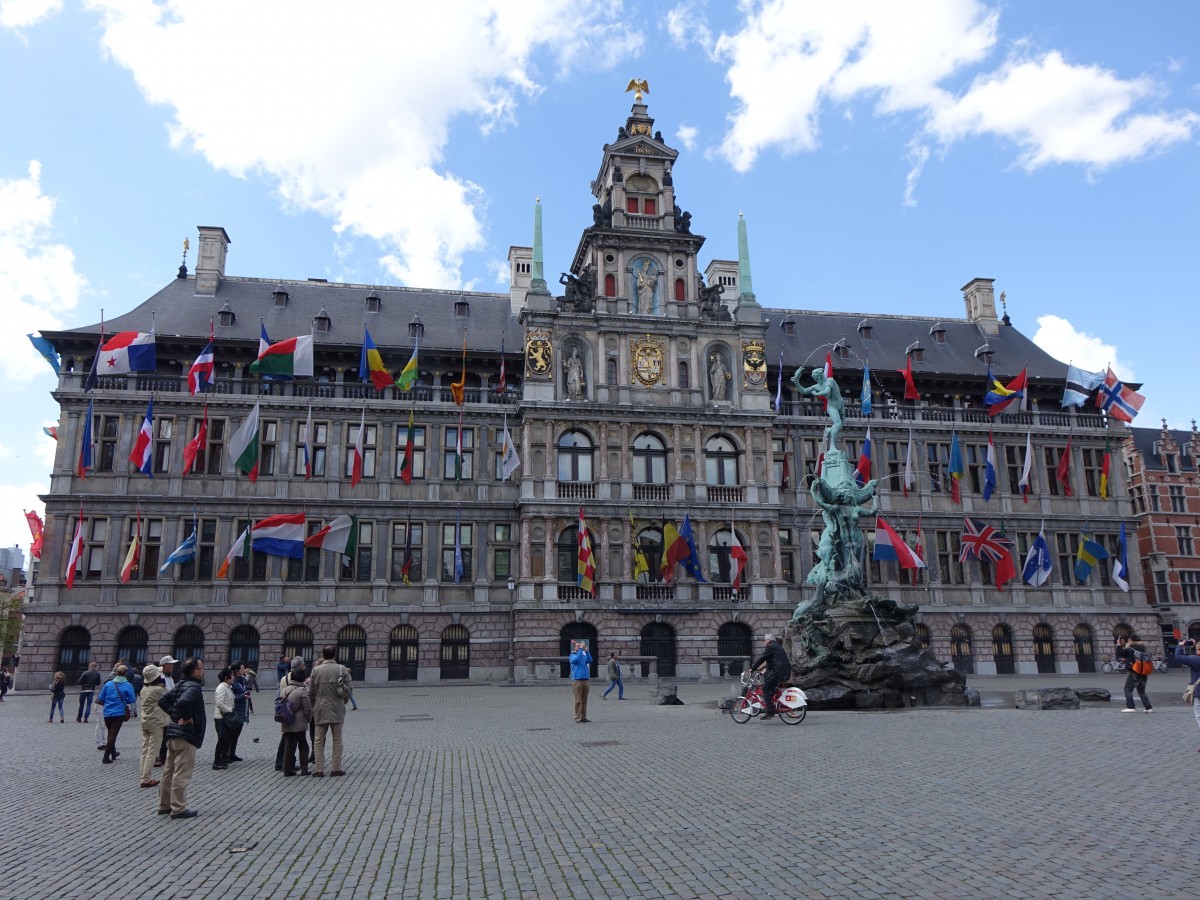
(754, 363)
(648, 357)
(539, 354)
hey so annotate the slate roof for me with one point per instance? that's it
(1144, 440)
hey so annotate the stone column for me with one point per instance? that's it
(551, 558)
(603, 448)
(603, 525)
(778, 551)
(550, 429)
(626, 467)
(526, 551)
(677, 453)
(749, 478)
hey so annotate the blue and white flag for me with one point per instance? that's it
(866, 389)
(49, 354)
(989, 470)
(185, 552)
(458, 554)
(1037, 562)
(1120, 573)
(1080, 384)
(779, 386)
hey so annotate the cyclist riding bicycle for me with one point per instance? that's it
(778, 669)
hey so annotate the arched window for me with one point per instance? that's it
(567, 555)
(650, 541)
(719, 568)
(610, 371)
(610, 285)
(1002, 650)
(658, 639)
(720, 462)
(1122, 631)
(298, 641)
(574, 457)
(680, 291)
(132, 644)
(649, 459)
(922, 632)
(734, 639)
(578, 631)
(960, 650)
(403, 646)
(243, 646)
(1043, 648)
(352, 651)
(456, 652)
(189, 641)
(1085, 648)
(74, 652)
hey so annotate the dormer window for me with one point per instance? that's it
(842, 349)
(279, 295)
(373, 303)
(322, 321)
(915, 351)
(225, 316)
(416, 329)
(789, 326)
(985, 353)
(641, 196)
(938, 332)
(865, 329)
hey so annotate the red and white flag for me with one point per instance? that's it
(131, 558)
(76, 555)
(356, 465)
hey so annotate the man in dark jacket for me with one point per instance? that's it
(185, 705)
(89, 682)
(1128, 649)
(778, 669)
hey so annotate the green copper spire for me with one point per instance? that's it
(745, 284)
(538, 280)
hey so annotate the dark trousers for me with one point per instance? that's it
(293, 741)
(1137, 682)
(282, 754)
(113, 724)
(85, 705)
(226, 739)
(771, 683)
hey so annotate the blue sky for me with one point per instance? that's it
(884, 154)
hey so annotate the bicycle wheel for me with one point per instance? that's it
(793, 716)
(740, 711)
(1107, 668)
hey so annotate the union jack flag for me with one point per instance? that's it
(983, 541)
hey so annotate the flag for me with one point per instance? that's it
(779, 386)
(89, 382)
(691, 562)
(457, 388)
(131, 558)
(339, 536)
(502, 384)
(406, 465)
(956, 468)
(458, 450)
(910, 389)
(76, 555)
(737, 558)
(1120, 572)
(458, 554)
(356, 460)
(828, 370)
(1063, 472)
(1089, 555)
(1037, 561)
(85, 445)
(910, 470)
(989, 470)
(1080, 384)
(408, 375)
(1027, 468)
(183, 553)
(889, 547)
(585, 569)
(291, 356)
(1118, 401)
(46, 349)
(370, 363)
(35, 529)
(785, 480)
(865, 396)
(1000, 396)
(243, 446)
(306, 440)
(203, 371)
(1105, 469)
(917, 551)
(862, 471)
(128, 351)
(674, 548)
(241, 547)
(142, 456)
(982, 541)
(196, 444)
(50, 431)
(509, 461)
(641, 566)
(406, 568)
(279, 535)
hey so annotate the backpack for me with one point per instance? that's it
(1142, 664)
(284, 713)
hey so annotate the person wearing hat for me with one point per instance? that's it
(778, 669)
(166, 665)
(185, 735)
(154, 721)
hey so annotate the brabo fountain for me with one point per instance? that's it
(851, 649)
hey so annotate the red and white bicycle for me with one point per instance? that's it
(791, 704)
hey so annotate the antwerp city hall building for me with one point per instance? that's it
(640, 389)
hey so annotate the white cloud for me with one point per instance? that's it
(348, 108)
(1062, 340)
(37, 274)
(686, 24)
(500, 270)
(687, 135)
(18, 14)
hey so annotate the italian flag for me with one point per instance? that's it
(339, 536)
(293, 356)
(243, 446)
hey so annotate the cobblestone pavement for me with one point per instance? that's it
(493, 791)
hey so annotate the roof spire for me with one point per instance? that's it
(745, 284)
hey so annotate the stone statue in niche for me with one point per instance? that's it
(718, 376)
(647, 278)
(573, 372)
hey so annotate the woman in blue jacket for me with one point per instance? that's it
(116, 698)
(1185, 654)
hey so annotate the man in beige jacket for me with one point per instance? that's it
(329, 687)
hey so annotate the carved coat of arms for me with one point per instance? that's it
(539, 353)
(648, 355)
(754, 363)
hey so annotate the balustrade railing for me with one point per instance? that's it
(659, 493)
(575, 490)
(949, 414)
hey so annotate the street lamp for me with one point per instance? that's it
(512, 631)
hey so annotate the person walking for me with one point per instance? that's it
(154, 721)
(58, 693)
(283, 667)
(1127, 649)
(295, 733)
(116, 698)
(614, 678)
(330, 689)
(240, 701)
(778, 667)
(223, 718)
(185, 735)
(581, 673)
(1185, 655)
(88, 683)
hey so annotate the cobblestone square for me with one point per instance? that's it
(493, 791)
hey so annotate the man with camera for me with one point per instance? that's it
(1128, 649)
(1185, 655)
(581, 672)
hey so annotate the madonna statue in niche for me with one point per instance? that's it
(718, 377)
(573, 370)
(647, 278)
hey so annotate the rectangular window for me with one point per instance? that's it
(318, 449)
(975, 459)
(95, 540)
(308, 568)
(1189, 581)
(251, 567)
(359, 567)
(146, 566)
(937, 455)
(106, 430)
(1162, 590)
(895, 456)
(164, 431)
(1052, 455)
(1138, 501)
(787, 563)
(1093, 463)
(399, 542)
(418, 456)
(1172, 464)
(1183, 536)
(631, 205)
(210, 458)
(268, 438)
(1066, 545)
(1153, 492)
(448, 552)
(778, 452)
(914, 577)
(1014, 461)
(200, 566)
(950, 571)
(502, 555)
(369, 448)
(810, 447)
(650, 206)
(1177, 498)
(450, 455)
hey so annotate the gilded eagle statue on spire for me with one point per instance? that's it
(638, 86)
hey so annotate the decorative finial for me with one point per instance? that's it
(1164, 421)
(1004, 306)
(183, 265)
(637, 85)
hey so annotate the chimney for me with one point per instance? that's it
(210, 261)
(981, 304)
